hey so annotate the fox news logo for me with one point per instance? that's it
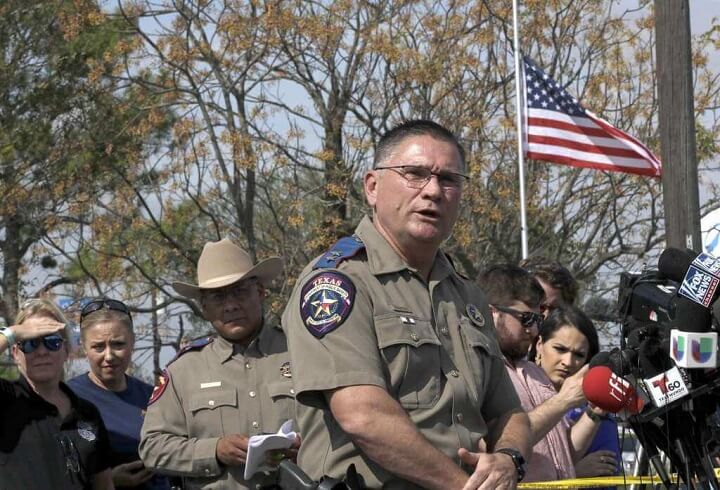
(708, 263)
(699, 286)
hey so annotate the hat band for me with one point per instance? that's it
(215, 280)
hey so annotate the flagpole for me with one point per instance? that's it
(518, 113)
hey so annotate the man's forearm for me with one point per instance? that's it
(546, 416)
(383, 431)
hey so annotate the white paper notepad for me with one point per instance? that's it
(258, 446)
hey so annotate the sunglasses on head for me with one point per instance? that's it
(527, 319)
(53, 343)
(100, 303)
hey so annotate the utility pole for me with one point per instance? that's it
(677, 124)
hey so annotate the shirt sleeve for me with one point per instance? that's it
(337, 353)
(164, 441)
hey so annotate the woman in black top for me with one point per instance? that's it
(49, 438)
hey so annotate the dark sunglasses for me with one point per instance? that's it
(528, 319)
(53, 343)
(100, 303)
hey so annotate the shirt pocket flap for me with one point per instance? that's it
(396, 329)
(278, 389)
(476, 338)
(213, 399)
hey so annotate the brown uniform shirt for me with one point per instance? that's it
(432, 346)
(212, 392)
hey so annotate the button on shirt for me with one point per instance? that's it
(213, 392)
(37, 448)
(449, 384)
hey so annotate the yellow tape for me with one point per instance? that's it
(600, 481)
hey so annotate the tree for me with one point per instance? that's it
(54, 123)
(278, 105)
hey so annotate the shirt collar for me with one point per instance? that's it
(260, 344)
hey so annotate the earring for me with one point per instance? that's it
(538, 359)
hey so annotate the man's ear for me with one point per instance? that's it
(370, 183)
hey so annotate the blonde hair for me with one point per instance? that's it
(42, 307)
(105, 315)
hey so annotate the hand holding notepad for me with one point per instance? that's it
(258, 446)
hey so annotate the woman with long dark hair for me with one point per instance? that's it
(567, 340)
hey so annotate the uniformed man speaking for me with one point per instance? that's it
(221, 390)
(395, 361)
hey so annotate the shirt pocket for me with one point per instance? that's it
(411, 350)
(481, 352)
(211, 411)
(280, 405)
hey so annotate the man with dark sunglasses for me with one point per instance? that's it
(49, 438)
(515, 302)
(221, 390)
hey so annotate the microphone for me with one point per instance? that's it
(620, 362)
(690, 316)
(661, 377)
(610, 392)
(698, 274)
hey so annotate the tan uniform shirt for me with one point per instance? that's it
(432, 346)
(212, 392)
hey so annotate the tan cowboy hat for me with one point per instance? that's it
(223, 263)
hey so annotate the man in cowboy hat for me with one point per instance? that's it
(221, 390)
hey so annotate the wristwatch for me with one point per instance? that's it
(9, 335)
(518, 461)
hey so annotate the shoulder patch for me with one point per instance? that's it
(475, 315)
(196, 344)
(326, 300)
(159, 387)
(345, 248)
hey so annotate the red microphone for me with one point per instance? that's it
(611, 392)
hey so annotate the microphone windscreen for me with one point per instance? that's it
(600, 359)
(610, 392)
(674, 263)
(690, 316)
(653, 358)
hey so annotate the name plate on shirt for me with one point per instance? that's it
(211, 384)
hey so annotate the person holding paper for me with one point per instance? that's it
(221, 390)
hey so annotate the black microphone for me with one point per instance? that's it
(674, 263)
(661, 377)
(620, 362)
(690, 316)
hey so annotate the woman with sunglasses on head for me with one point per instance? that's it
(567, 340)
(106, 332)
(49, 438)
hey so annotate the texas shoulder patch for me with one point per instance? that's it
(326, 301)
(159, 389)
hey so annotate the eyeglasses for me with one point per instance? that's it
(100, 303)
(53, 343)
(72, 458)
(528, 319)
(241, 291)
(417, 177)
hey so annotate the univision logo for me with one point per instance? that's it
(700, 350)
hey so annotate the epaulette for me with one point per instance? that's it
(343, 249)
(196, 344)
(452, 263)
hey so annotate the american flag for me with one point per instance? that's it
(558, 129)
